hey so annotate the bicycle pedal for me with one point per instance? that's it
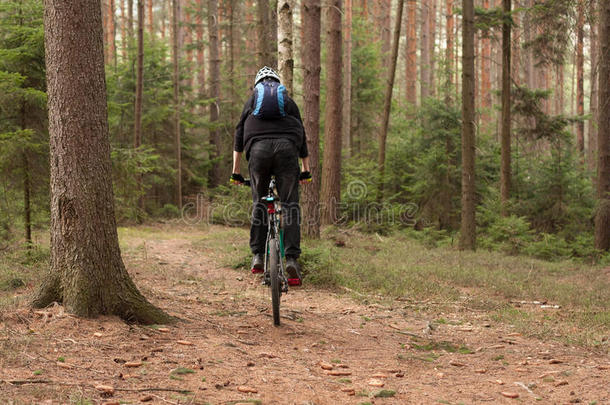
(257, 271)
(294, 282)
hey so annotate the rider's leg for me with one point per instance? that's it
(259, 165)
(286, 169)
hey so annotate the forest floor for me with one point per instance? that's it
(335, 345)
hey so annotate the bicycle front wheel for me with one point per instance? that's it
(274, 274)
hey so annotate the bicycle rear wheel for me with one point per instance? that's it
(274, 274)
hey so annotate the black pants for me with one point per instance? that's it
(275, 157)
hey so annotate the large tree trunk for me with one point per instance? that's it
(214, 92)
(388, 101)
(311, 112)
(580, 99)
(505, 169)
(284, 39)
(468, 226)
(592, 145)
(331, 169)
(411, 70)
(432, 45)
(87, 273)
(267, 34)
(347, 80)
(176, 82)
(602, 218)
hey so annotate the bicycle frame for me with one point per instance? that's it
(274, 229)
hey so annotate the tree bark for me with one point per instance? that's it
(432, 46)
(284, 39)
(385, 23)
(468, 226)
(200, 50)
(151, 25)
(505, 166)
(449, 48)
(176, 83)
(383, 134)
(580, 103)
(486, 67)
(87, 273)
(214, 92)
(602, 217)
(411, 52)
(592, 146)
(424, 65)
(266, 35)
(111, 32)
(137, 139)
(331, 175)
(311, 16)
(123, 31)
(347, 80)
(27, 209)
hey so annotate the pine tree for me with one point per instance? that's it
(87, 273)
(331, 168)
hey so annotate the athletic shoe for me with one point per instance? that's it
(294, 272)
(257, 264)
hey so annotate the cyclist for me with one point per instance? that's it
(271, 133)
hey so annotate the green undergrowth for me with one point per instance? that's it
(397, 266)
(21, 267)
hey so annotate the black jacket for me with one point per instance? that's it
(251, 129)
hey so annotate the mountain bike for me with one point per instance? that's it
(274, 274)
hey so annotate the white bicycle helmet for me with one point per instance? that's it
(266, 71)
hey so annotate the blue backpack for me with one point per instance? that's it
(269, 100)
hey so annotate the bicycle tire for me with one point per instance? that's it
(274, 274)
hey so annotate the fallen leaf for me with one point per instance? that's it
(133, 364)
(105, 389)
(98, 335)
(247, 390)
(164, 330)
(379, 375)
(146, 398)
(338, 373)
(64, 365)
(510, 394)
(555, 361)
(456, 363)
(560, 383)
(480, 371)
(326, 366)
(376, 383)
(185, 342)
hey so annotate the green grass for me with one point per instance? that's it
(398, 266)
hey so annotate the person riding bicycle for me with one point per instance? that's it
(271, 133)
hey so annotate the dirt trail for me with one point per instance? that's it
(227, 343)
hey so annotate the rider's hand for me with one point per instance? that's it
(305, 177)
(237, 178)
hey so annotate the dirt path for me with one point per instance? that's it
(227, 343)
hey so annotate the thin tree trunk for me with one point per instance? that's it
(129, 23)
(411, 52)
(385, 23)
(468, 226)
(347, 80)
(188, 42)
(284, 39)
(137, 139)
(331, 175)
(214, 93)
(176, 81)
(602, 217)
(200, 50)
(123, 31)
(311, 15)
(486, 68)
(151, 25)
(27, 209)
(111, 32)
(432, 45)
(580, 104)
(592, 147)
(424, 65)
(505, 167)
(449, 48)
(388, 100)
(528, 64)
(87, 273)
